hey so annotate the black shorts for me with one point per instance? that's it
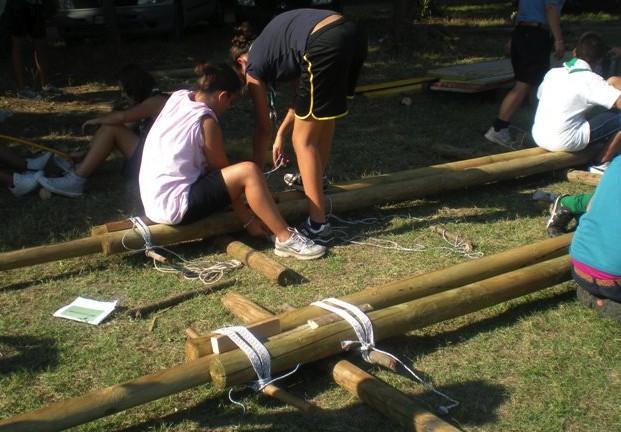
(207, 195)
(530, 53)
(25, 19)
(330, 68)
(131, 167)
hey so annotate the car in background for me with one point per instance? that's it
(77, 19)
(259, 12)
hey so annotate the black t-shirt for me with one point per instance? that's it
(276, 55)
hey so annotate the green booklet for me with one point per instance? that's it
(86, 310)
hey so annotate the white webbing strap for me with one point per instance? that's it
(359, 321)
(255, 351)
(143, 230)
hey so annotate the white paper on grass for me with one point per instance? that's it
(86, 310)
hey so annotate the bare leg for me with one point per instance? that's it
(615, 81)
(106, 139)
(246, 177)
(325, 142)
(11, 159)
(306, 139)
(612, 148)
(40, 60)
(16, 56)
(513, 100)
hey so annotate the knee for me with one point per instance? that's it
(250, 170)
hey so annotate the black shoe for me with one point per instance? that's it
(560, 217)
(322, 234)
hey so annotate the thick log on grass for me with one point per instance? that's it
(290, 349)
(388, 400)
(245, 309)
(583, 177)
(444, 180)
(257, 261)
(418, 286)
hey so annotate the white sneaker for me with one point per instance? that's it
(70, 185)
(38, 163)
(501, 137)
(299, 247)
(25, 182)
(294, 180)
(62, 163)
(599, 169)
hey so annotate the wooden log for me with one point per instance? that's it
(290, 349)
(261, 330)
(307, 345)
(332, 317)
(583, 177)
(444, 180)
(257, 261)
(272, 390)
(457, 239)
(144, 310)
(418, 286)
(386, 399)
(244, 309)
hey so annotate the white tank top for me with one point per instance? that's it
(173, 158)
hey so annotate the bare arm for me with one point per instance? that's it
(263, 125)
(281, 135)
(554, 21)
(150, 107)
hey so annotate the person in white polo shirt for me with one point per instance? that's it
(569, 93)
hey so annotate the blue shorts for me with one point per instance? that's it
(604, 125)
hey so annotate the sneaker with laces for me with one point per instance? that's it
(501, 137)
(599, 169)
(560, 217)
(70, 185)
(62, 163)
(25, 182)
(322, 233)
(298, 246)
(39, 162)
(294, 180)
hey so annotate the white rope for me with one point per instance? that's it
(363, 327)
(258, 356)
(197, 269)
(281, 162)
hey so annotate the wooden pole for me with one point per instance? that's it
(418, 286)
(244, 309)
(308, 345)
(387, 400)
(583, 177)
(289, 349)
(443, 181)
(257, 261)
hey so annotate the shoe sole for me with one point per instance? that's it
(286, 254)
(59, 191)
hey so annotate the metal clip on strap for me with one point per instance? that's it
(359, 321)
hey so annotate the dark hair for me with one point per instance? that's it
(243, 35)
(591, 48)
(137, 83)
(217, 76)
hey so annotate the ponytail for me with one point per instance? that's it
(243, 36)
(217, 77)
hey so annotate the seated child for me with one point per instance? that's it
(566, 96)
(595, 251)
(122, 130)
(185, 174)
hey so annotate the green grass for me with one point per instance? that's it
(539, 363)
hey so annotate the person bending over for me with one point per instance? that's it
(185, 174)
(321, 53)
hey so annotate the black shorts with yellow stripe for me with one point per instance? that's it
(330, 68)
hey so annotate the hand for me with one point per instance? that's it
(86, 124)
(559, 49)
(277, 152)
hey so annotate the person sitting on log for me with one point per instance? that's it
(567, 95)
(20, 175)
(594, 250)
(121, 130)
(185, 174)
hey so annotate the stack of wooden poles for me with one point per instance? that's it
(364, 193)
(305, 335)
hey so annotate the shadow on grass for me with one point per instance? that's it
(355, 417)
(50, 278)
(29, 353)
